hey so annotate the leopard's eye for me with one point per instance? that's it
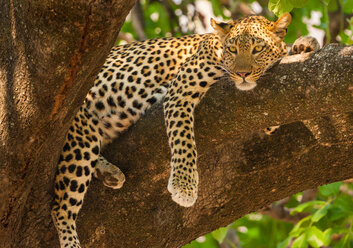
(257, 49)
(232, 49)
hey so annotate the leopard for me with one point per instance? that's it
(175, 71)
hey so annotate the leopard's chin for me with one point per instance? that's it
(245, 85)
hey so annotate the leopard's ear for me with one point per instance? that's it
(280, 26)
(222, 28)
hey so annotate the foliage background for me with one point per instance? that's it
(315, 218)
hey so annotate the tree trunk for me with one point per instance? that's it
(50, 53)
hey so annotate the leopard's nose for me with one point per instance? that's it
(243, 74)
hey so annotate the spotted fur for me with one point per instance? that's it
(137, 75)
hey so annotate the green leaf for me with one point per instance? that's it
(315, 237)
(314, 5)
(339, 229)
(326, 2)
(297, 231)
(297, 26)
(344, 202)
(300, 226)
(330, 189)
(327, 236)
(293, 201)
(336, 213)
(345, 39)
(220, 234)
(320, 213)
(298, 3)
(300, 242)
(280, 6)
(348, 6)
(332, 6)
(284, 243)
(306, 207)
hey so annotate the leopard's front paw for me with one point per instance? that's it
(305, 44)
(183, 188)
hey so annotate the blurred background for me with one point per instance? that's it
(328, 20)
(320, 217)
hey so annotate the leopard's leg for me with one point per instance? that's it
(74, 174)
(109, 173)
(184, 93)
(184, 178)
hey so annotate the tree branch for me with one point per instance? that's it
(241, 169)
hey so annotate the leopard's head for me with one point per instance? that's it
(250, 46)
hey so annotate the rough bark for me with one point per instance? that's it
(241, 169)
(50, 53)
